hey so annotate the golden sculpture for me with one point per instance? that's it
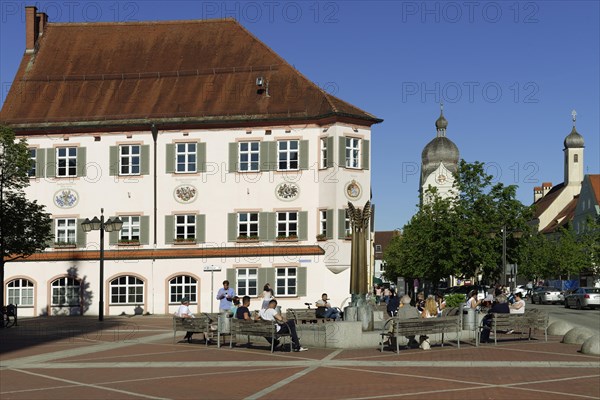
(359, 222)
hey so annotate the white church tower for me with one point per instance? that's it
(439, 162)
(573, 156)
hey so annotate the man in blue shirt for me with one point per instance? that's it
(225, 296)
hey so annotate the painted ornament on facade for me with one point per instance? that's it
(353, 190)
(185, 193)
(66, 198)
(287, 191)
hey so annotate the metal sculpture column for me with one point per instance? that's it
(359, 221)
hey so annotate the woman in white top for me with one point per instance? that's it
(518, 307)
(473, 302)
(267, 296)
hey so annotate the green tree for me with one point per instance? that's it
(426, 246)
(536, 256)
(24, 226)
(451, 236)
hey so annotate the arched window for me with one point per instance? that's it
(20, 292)
(183, 286)
(65, 292)
(576, 158)
(126, 290)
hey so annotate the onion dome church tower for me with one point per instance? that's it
(573, 156)
(439, 162)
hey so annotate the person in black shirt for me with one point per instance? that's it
(500, 306)
(243, 312)
(393, 304)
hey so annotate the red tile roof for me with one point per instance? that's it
(595, 183)
(87, 76)
(383, 238)
(142, 254)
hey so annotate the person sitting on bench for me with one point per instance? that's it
(283, 326)
(324, 309)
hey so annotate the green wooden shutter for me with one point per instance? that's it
(341, 223)
(233, 157)
(169, 229)
(303, 225)
(113, 237)
(266, 226)
(201, 156)
(80, 235)
(301, 281)
(113, 159)
(365, 154)
(200, 228)
(268, 156)
(271, 232)
(144, 229)
(342, 152)
(40, 163)
(232, 228)
(330, 152)
(232, 278)
(81, 161)
(145, 160)
(266, 275)
(329, 223)
(51, 163)
(170, 159)
(52, 239)
(303, 144)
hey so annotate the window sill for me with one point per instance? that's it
(287, 240)
(247, 241)
(65, 246)
(128, 244)
(183, 242)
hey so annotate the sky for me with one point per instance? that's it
(508, 72)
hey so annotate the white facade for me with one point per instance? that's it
(212, 193)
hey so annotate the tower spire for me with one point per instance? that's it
(574, 117)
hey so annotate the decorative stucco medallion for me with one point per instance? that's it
(185, 194)
(66, 198)
(287, 191)
(353, 190)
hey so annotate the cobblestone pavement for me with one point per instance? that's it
(138, 358)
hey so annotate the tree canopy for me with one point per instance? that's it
(451, 236)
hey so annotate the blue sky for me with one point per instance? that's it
(508, 72)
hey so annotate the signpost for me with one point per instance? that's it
(212, 269)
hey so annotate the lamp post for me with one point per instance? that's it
(108, 226)
(516, 234)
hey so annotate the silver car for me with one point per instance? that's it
(546, 294)
(584, 297)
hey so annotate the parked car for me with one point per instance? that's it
(466, 289)
(547, 294)
(583, 297)
(523, 289)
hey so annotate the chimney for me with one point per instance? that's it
(546, 186)
(537, 193)
(31, 28)
(42, 20)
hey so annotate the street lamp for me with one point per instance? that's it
(109, 226)
(517, 233)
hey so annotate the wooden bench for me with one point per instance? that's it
(421, 327)
(260, 328)
(200, 324)
(304, 315)
(527, 323)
